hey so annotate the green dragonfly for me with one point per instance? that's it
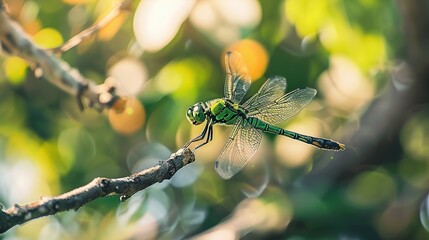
(269, 106)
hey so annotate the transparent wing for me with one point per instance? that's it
(271, 105)
(242, 144)
(270, 91)
(237, 80)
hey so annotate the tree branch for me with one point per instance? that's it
(14, 41)
(97, 188)
(78, 38)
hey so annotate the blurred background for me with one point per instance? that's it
(165, 55)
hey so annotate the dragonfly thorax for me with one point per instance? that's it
(225, 111)
(196, 114)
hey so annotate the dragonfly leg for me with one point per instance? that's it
(201, 136)
(209, 137)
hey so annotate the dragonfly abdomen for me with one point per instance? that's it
(265, 127)
(317, 142)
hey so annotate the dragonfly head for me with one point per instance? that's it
(195, 114)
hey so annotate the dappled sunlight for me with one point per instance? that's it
(176, 75)
(30, 230)
(47, 158)
(22, 182)
(48, 38)
(308, 24)
(74, 2)
(415, 136)
(414, 172)
(112, 28)
(224, 20)
(344, 86)
(163, 122)
(129, 75)
(27, 12)
(329, 20)
(371, 188)
(130, 120)
(181, 78)
(414, 167)
(147, 226)
(270, 212)
(242, 13)
(77, 17)
(162, 56)
(15, 70)
(209, 189)
(156, 22)
(293, 153)
(153, 212)
(187, 176)
(75, 145)
(145, 155)
(254, 55)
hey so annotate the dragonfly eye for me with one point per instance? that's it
(190, 116)
(196, 114)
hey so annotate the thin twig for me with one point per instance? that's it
(88, 32)
(16, 42)
(97, 188)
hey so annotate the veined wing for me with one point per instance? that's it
(242, 144)
(237, 80)
(274, 107)
(270, 91)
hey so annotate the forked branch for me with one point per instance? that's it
(78, 38)
(16, 42)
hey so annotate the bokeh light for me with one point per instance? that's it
(424, 213)
(186, 176)
(344, 86)
(414, 171)
(129, 75)
(75, 2)
(371, 188)
(22, 182)
(48, 38)
(258, 214)
(329, 20)
(112, 28)
(170, 57)
(75, 145)
(29, 11)
(415, 136)
(156, 22)
(77, 17)
(254, 55)
(130, 120)
(223, 21)
(293, 153)
(15, 69)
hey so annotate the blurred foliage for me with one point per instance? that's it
(166, 55)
